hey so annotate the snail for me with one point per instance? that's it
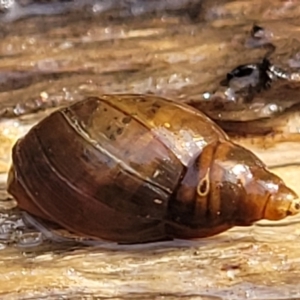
(136, 168)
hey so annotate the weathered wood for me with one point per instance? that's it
(50, 61)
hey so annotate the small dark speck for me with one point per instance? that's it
(126, 153)
(104, 109)
(115, 118)
(108, 127)
(126, 120)
(112, 137)
(228, 267)
(256, 28)
(119, 130)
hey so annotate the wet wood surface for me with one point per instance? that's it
(54, 53)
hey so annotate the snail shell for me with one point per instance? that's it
(140, 168)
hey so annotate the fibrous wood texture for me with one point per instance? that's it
(56, 52)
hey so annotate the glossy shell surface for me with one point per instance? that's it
(130, 168)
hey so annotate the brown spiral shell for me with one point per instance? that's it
(139, 168)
